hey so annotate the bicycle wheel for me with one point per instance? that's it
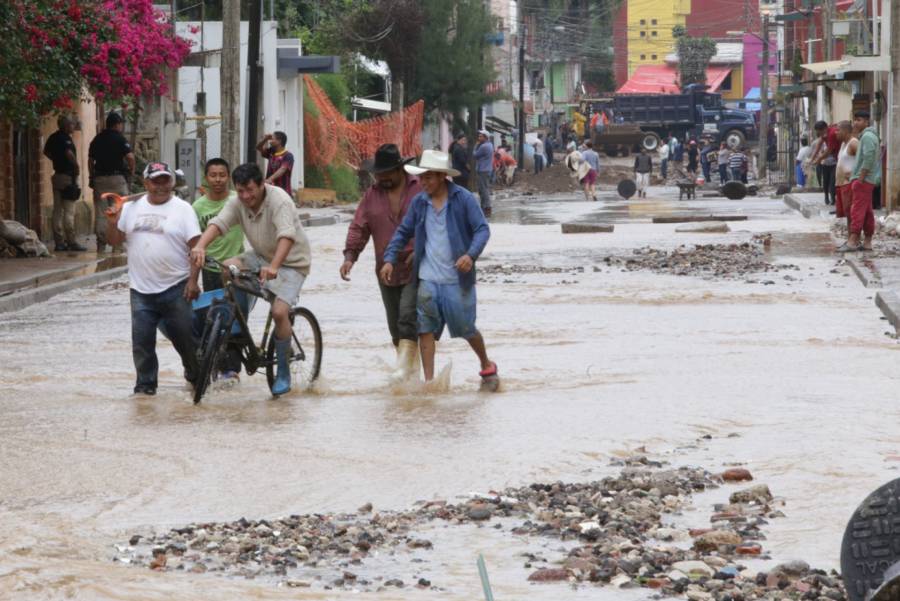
(306, 349)
(211, 348)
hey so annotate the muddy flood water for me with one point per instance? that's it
(792, 377)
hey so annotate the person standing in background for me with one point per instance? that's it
(111, 166)
(281, 162)
(484, 167)
(459, 153)
(60, 149)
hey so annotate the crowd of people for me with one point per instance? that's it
(844, 159)
(428, 229)
(428, 232)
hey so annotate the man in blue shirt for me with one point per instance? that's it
(484, 166)
(450, 233)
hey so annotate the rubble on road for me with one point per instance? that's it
(726, 261)
(620, 526)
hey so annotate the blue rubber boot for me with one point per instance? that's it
(282, 383)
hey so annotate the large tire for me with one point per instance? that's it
(650, 141)
(211, 348)
(306, 349)
(735, 138)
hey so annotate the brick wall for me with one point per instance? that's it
(40, 171)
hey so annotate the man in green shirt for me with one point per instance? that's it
(865, 177)
(218, 176)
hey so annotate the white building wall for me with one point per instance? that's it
(274, 108)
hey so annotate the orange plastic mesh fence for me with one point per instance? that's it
(331, 138)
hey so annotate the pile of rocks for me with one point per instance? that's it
(625, 544)
(727, 261)
(617, 524)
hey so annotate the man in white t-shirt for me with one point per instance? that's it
(160, 230)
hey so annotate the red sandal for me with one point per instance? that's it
(491, 371)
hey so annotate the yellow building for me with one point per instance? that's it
(650, 24)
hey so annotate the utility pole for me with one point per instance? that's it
(763, 157)
(520, 143)
(253, 83)
(230, 76)
(892, 183)
(201, 97)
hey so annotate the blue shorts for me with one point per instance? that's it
(440, 304)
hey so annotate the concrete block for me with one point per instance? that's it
(697, 218)
(319, 221)
(315, 197)
(587, 228)
(889, 303)
(708, 227)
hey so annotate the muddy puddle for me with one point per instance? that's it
(590, 372)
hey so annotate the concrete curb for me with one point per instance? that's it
(889, 303)
(26, 298)
(867, 275)
(803, 208)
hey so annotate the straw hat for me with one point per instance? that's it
(433, 160)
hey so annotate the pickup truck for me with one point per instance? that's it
(645, 119)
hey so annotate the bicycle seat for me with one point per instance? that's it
(248, 282)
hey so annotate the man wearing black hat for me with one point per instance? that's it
(111, 165)
(379, 213)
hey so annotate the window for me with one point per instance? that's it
(653, 56)
(643, 21)
(653, 33)
(643, 34)
(726, 84)
(643, 57)
(652, 21)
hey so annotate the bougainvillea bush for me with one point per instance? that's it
(54, 51)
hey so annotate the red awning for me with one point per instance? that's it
(663, 79)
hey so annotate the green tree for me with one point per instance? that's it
(694, 55)
(454, 62)
(388, 30)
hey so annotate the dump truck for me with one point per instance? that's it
(644, 120)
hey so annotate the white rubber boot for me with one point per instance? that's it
(407, 360)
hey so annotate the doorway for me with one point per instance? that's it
(22, 176)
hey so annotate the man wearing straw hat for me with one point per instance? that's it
(381, 210)
(450, 233)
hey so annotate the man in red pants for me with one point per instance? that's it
(866, 175)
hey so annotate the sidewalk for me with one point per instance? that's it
(878, 270)
(24, 282)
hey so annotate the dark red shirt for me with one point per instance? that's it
(276, 161)
(373, 219)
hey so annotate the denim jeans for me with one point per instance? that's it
(723, 173)
(484, 189)
(147, 312)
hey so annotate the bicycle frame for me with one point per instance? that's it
(252, 355)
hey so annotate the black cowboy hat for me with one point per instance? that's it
(387, 158)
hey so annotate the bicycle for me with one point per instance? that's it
(226, 327)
